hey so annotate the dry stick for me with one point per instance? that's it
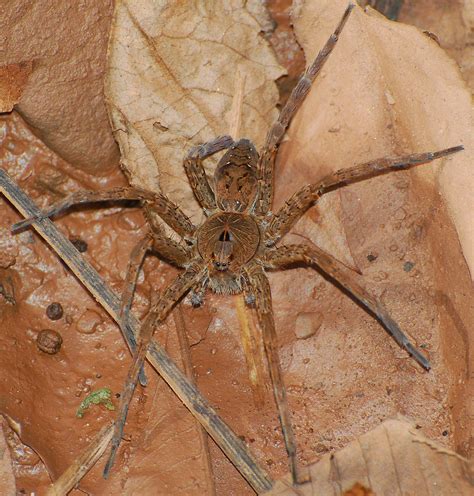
(76, 471)
(230, 444)
(188, 370)
(252, 347)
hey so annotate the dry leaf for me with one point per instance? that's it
(171, 81)
(341, 381)
(392, 459)
(7, 479)
(62, 101)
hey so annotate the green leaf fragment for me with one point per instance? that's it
(101, 396)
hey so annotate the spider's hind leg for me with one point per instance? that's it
(260, 288)
(159, 311)
(284, 256)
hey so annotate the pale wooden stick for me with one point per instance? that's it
(235, 118)
(76, 471)
(188, 370)
(252, 351)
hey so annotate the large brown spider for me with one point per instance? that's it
(234, 246)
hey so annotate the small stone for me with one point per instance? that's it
(80, 244)
(371, 257)
(49, 341)
(88, 322)
(407, 266)
(54, 311)
(307, 324)
(400, 214)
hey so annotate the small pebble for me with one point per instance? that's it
(49, 341)
(371, 257)
(407, 266)
(80, 244)
(307, 324)
(54, 311)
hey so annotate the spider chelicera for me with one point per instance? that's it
(231, 250)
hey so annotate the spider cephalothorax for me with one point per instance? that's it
(235, 178)
(236, 244)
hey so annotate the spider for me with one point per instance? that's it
(230, 252)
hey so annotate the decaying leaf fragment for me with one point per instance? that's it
(392, 459)
(13, 78)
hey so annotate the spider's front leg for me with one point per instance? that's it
(196, 173)
(260, 288)
(307, 196)
(156, 202)
(158, 313)
(284, 256)
(278, 129)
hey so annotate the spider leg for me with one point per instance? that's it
(172, 294)
(298, 204)
(278, 129)
(165, 247)
(157, 203)
(312, 255)
(134, 264)
(196, 173)
(260, 286)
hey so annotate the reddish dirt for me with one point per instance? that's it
(342, 381)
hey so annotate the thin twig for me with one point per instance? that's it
(188, 370)
(76, 471)
(230, 444)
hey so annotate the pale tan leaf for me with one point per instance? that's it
(7, 479)
(391, 460)
(171, 80)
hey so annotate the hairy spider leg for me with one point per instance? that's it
(158, 313)
(156, 202)
(278, 129)
(285, 256)
(260, 288)
(296, 206)
(165, 248)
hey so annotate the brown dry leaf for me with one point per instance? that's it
(392, 459)
(452, 23)
(341, 381)
(171, 80)
(386, 90)
(63, 99)
(13, 79)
